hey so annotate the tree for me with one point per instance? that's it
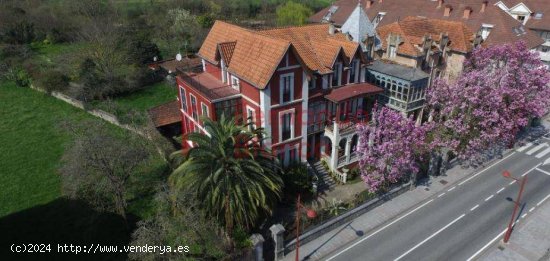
(236, 179)
(98, 166)
(501, 89)
(292, 13)
(389, 148)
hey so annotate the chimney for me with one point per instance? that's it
(369, 3)
(483, 6)
(448, 9)
(440, 3)
(467, 12)
(331, 29)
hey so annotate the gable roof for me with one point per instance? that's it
(255, 55)
(502, 32)
(165, 114)
(540, 17)
(413, 29)
(358, 25)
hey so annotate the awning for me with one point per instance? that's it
(352, 91)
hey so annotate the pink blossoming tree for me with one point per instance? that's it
(388, 148)
(500, 90)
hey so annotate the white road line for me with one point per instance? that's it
(378, 231)
(451, 189)
(490, 197)
(511, 183)
(472, 209)
(524, 147)
(544, 199)
(531, 210)
(441, 195)
(527, 172)
(466, 180)
(487, 245)
(544, 171)
(524, 215)
(430, 237)
(544, 152)
(501, 189)
(538, 147)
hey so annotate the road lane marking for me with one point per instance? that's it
(490, 197)
(489, 244)
(451, 189)
(501, 189)
(472, 209)
(527, 172)
(524, 215)
(524, 147)
(531, 210)
(441, 195)
(466, 180)
(512, 183)
(544, 199)
(378, 231)
(538, 147)
(430, 237)
(544, 152)
(544, 171)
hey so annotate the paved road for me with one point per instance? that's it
(464, 220)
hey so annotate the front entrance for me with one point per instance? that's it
(314, 147)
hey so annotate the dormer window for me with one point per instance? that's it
(235, 82)
(337, 75)
(286, 88)
(392, 51)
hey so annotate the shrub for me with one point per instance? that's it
(297, 179)
(241, 238)
(53, 80)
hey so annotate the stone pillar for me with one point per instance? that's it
(257, 247)
(277, 232)
(334, 154)
(348, 149)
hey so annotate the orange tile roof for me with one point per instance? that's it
(256, 54)
(413, 29)
(165, 114)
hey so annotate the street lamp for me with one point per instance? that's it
(507, 174)
(310, 213)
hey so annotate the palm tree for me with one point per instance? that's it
(236, 179)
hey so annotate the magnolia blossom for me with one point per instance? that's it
(388, 148)
(501, 89)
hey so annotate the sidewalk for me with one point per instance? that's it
(326, 245)
(530, 240)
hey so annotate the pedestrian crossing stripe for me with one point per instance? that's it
(543, 153)
(524, 147)
(538, 147)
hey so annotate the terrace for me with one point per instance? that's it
(208, 85)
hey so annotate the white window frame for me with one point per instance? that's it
(338, 69)
(183, 96)
(191, 98)
(392, 51)
(281, 87)
(235, 83)
(248, 116)
(203, 106)
(292, 113)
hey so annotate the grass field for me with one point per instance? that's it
(32, 144)
(139, 101)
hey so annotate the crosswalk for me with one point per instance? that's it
(541, 149)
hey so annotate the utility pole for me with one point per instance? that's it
(507, 174)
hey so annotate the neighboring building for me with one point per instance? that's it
(304, 85)
(435, 46)
(484, 17)
(535, 14)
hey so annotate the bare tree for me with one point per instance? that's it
(98, 166)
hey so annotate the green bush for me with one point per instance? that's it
(297, 179)
(241, 238)
(53, 80)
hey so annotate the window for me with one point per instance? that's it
(392, 51)
(286, 85)
(183, 99)
(312, 83)
(235, 82)
(229, 108)
(223, 71)
(337, 74)
(286, 125)
(352, 71)
(521, 18)
(204, 110)
(194, 112)
(250, 118)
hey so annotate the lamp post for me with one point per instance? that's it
(311, 214)
(507, 174)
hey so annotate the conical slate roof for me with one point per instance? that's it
(358, 25)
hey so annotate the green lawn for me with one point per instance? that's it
(139, 101)
(32, 144)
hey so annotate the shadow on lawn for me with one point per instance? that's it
(62, 222)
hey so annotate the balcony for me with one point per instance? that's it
(344, 127)
(208, 85)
